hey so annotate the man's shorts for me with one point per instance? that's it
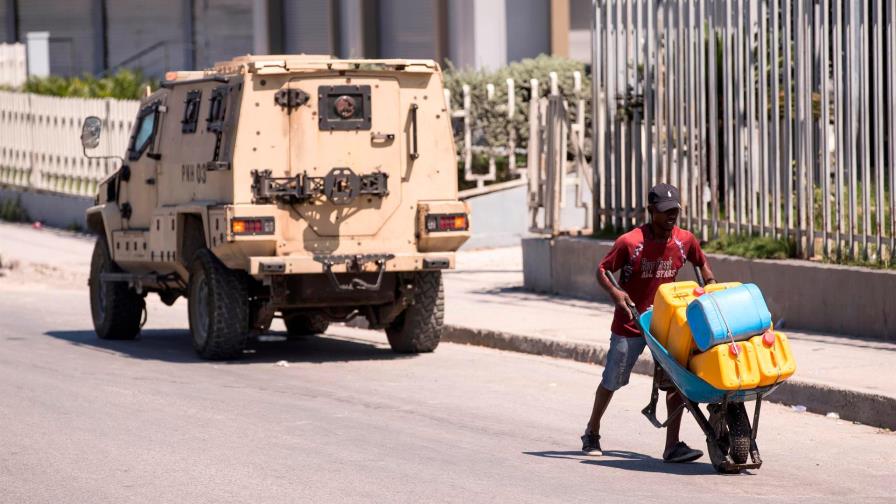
(621, 360)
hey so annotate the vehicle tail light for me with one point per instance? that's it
(446, 222)
(252, 226)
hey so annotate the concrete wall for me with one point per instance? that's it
(72, 32)
(133, 28)
(55, 210)
(800, 294)
(408, 29)
(528, 29)
(223, 29)
(501, 218)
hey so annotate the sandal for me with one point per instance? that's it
(681, 453)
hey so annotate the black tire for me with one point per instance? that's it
(116, 309)
(218, 306)
(739, 433)
(718, 444)
(305, 324)
(419, 327)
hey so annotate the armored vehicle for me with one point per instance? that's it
(304, 187)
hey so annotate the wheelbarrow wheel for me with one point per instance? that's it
(739, 433)
(719, 443)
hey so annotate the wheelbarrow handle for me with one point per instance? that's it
(631, 306)
(700, 281)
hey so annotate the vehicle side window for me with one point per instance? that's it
(217, 109)
(145, 131)
(191, 111)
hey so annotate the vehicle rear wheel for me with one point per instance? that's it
(419, 327)
(218, 305)
(305, 324)
(116, 308)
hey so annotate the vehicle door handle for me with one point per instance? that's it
(381, 137)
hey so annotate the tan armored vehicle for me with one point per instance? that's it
(305, 187)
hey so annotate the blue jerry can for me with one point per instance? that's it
(740, 310)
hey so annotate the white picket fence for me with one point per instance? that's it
(40, 146)
(13, 68)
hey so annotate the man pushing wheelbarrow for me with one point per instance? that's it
(648, 256)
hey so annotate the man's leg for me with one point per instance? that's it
(601, 401)
(620, 360)
(673, 401)
(676, 451)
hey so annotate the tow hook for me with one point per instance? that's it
(355, 264)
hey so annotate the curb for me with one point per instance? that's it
(869, 409)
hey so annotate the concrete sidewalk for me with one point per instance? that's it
(486, 306)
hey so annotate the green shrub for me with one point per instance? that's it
(11, 210)
(752, 247)
(489, 123)
(123, 85)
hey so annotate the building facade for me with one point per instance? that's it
(93, 36)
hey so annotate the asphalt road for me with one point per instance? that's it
(84, 420)
(145, 421)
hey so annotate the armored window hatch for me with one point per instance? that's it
(344, 108)
(341, 186)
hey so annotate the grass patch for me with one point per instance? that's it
(752, 247)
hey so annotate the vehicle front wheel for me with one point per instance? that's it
(419, 327)
(218, 305)
(116, 308)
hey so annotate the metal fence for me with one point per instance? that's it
(40, 145)
(517, 97)
(553, 146)
(774, 117)
(13, 70)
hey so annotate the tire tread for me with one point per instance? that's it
(419, 328)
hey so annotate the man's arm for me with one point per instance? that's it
(708, 277)
(697, 257)
(619, 296)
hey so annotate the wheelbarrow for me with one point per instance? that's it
(730, 437)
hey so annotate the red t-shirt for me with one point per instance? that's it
(646, 264)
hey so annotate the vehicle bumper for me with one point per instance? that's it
(291, 265)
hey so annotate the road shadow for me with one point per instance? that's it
(630, 461)
(174, 345)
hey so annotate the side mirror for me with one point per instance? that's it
(90, 132)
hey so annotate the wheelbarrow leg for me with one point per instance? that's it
(650, 410)
(754, 449)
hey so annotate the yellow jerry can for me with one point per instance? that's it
(721, 286)
(669, 298)
(729, 366)
(773, 355)
(680, 342)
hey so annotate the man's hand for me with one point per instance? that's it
(623, 302)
